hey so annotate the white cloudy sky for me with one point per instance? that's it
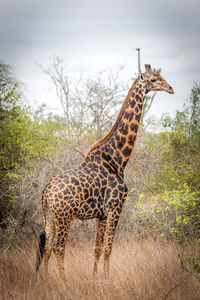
(94, 35)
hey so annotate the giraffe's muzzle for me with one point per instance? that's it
(170, 90)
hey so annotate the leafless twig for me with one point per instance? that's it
(167, 295)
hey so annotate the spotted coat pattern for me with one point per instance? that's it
(96, 188)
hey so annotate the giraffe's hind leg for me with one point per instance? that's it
(61, 235)
(100, 231)
(49, 231)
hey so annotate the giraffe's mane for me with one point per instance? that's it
(113, 128)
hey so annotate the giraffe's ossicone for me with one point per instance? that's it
(96, 188)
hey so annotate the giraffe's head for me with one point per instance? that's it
(154, 81)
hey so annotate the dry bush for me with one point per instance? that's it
(142, 167)
(139, 269)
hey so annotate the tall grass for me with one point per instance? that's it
(139, 269)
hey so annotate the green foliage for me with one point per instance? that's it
(174, 212)
(191, 265)
(194, 112)
(22, 139)
(183, 204)
(177, 146)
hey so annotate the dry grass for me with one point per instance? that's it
(140, 269)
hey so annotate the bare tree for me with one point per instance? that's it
(8, 84)
(88, 103)
(60, 80)
(101, 97)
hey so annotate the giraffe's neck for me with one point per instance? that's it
(117, 145)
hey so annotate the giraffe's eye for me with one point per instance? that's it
(153, 80)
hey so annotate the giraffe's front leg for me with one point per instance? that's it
(108, 239)
(100, 231)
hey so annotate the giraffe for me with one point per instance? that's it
(96, 188)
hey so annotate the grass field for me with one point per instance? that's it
(139, 269)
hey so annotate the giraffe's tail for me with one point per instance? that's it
(40, 251)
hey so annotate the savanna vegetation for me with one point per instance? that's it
(156, 250)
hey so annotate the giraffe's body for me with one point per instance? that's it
(96, 189)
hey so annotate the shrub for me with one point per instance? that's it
(175, 213)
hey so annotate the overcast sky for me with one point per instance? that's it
(94, 35)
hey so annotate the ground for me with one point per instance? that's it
(140, 269)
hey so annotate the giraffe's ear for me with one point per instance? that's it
(148, 68)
